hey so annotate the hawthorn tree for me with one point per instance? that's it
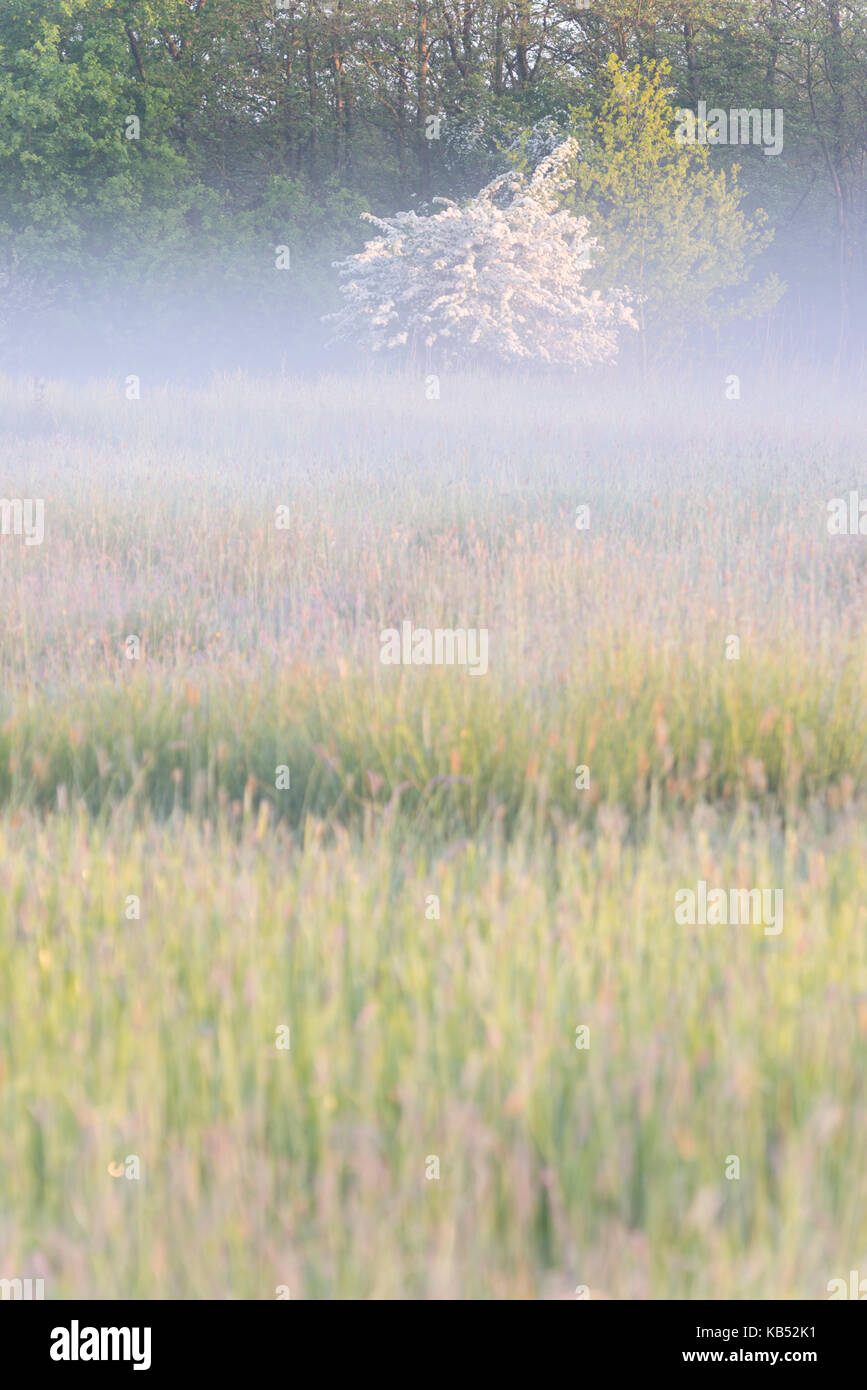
(501, 277)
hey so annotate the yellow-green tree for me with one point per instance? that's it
(671, 224)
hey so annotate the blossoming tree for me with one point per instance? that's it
(500, 277)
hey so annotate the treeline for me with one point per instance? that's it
(154, 154)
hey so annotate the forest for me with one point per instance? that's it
(154, 155)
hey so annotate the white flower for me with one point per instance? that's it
(501, 276)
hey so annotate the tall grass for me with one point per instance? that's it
(414, 1035)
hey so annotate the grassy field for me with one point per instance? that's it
(166, 907)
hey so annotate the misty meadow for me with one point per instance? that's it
(433, 676)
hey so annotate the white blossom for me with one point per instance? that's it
(501, 277)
